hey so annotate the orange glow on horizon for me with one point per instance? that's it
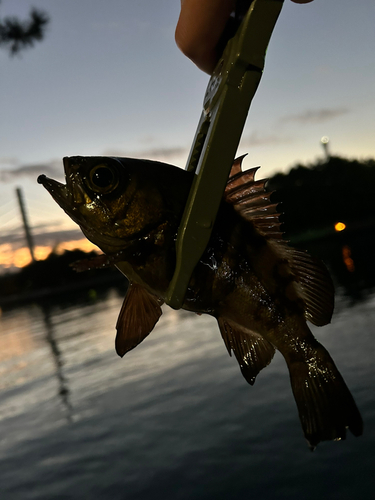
(340, 226)
(83, 244)
(21, 256)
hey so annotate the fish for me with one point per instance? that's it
(261, 290)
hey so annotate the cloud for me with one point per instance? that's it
(150, 153)
(260, 139)
(53, 169)
(54, 237)
(8, 160)
(44, 238)
(163, 152)
(315, 116)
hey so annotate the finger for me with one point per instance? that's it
(199, 29)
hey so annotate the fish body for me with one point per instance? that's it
(260, 290)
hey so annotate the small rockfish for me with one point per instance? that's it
(260, 290)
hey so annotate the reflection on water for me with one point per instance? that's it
(63, 390)
(347, 258)
(174, 418)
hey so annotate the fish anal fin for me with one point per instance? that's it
(251, 350)
(139, 313)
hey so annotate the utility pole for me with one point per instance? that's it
(26, 225)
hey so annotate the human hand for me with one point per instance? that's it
(200, 27)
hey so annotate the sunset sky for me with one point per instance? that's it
(109, 80)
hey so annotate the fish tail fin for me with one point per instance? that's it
(325, 405)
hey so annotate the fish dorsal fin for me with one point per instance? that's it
(251, 350)
(236, 167)
(312, 282)
(139, 313)
(251, 200)
(302, 278)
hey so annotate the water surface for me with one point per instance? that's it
(173, 419)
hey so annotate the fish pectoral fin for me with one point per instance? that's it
(251, 350)
(98, 262)
(139, 313)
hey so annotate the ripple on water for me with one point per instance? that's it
(174, 416)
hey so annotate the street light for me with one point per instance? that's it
(325, 140)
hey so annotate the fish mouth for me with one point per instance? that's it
(56, 189)
(61, 194)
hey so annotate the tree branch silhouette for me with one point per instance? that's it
(17, 35)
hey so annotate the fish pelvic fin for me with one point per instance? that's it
(251, 350)
(293, 273)
(139, 314)
(325, 405)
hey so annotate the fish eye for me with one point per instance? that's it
(103, 179)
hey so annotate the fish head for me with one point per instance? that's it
(114, 200)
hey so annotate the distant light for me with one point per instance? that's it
(340, 226)
(324, 140)
(347, 258)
